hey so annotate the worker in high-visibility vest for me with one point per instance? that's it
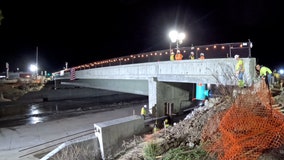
(277, 77)
(265, 73)
(240, 69)
(143, 111)
(172, 55)
(166, 123)
(202, 56)
(155, 128)
(191, 56)
(178, 56)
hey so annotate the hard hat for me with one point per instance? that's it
(145, 105)
(237, 56)
(166, 120)
(202, 54)
(191, 52)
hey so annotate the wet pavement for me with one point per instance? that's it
(14, 114)
(25, 141)
(28, 126)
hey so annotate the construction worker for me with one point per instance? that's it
(240, 69)
(178, 56)
(166, 123)
(191, 56)
(265, 73)
(257, 72)
(202, 56)
(276, 77)
(155, 128)
(143, 111)
(172, 55)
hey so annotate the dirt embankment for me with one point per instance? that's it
(12, 92)
(203, 124)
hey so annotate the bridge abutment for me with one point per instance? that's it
(165, 94)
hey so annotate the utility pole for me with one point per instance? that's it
(7, 70)
(36, 61)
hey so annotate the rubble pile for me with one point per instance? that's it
(188, 132)
(185, 133)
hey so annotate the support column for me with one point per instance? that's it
(152, 95)
(161, 94)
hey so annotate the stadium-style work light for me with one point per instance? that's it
(176, 37)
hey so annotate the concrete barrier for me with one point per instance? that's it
(83, 148)
(112, 133)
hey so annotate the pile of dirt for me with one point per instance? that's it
(188, 132)
(185, 133)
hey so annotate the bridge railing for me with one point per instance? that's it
(224, 50)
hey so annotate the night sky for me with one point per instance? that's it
(80, 32)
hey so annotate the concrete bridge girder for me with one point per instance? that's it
(139, 87)
(163, 82)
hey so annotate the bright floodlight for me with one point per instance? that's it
(33, 68)
(175, 36)
(281, 71)
(181, 37)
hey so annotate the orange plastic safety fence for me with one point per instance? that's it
(248, 128)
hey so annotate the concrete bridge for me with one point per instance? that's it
(166, 83)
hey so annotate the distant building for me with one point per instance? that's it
(16, 75)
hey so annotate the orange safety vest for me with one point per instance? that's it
(178, 56)
(201, 57)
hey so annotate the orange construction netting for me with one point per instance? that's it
(247, 129)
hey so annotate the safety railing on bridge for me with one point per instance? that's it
(224, 50)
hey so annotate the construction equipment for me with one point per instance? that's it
(277, 87)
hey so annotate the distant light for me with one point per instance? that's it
(33, 68)
(246, 44)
